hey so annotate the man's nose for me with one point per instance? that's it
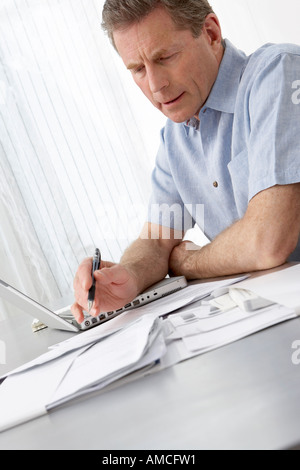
(158, 79)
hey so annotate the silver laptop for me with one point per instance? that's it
(63, 320)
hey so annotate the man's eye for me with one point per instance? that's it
(164, 59)
(139, 69)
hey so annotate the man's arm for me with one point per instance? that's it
(263, 239)
(148, 257)
(144, 263)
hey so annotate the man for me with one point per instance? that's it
(231, 143)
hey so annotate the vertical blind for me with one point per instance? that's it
(75, 169)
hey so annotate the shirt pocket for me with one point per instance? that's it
(239, 172)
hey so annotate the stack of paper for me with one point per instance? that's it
(234, 312)
(55, 378)
(202, 330)
(131, 349)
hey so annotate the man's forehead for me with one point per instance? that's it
(155, 32)
(134, 46)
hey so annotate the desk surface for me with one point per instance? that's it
(242, 396)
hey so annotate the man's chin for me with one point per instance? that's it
(179, 120)
(177, 117)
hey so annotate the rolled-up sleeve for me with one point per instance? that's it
(274, 117)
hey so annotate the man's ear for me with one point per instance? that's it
(212, 30)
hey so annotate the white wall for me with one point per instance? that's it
(252, 23)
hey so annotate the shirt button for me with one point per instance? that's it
(216, 184)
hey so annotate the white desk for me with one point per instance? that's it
(243, 396)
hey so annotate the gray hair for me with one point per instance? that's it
(186, 14)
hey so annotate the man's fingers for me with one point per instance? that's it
(77, 312)
(83, 278)
(113, 275)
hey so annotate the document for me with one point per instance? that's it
(281, 286)
(46, 384)
(23, 396)
(104, 362)
(228, 315)
(204, 333)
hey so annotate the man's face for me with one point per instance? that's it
(173, 69)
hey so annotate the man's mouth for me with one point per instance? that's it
(168, 103)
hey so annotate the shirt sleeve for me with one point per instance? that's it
(166, 207)
(274, 111)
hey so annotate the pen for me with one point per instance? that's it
(96, 266)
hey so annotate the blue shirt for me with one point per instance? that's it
(247, 140)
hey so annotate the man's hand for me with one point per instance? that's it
(115, 287)
(144, 263)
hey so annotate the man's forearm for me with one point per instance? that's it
(232, 252)
(263, 239)
(148, 261)
(228, 254)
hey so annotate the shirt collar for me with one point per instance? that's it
(224, 92)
